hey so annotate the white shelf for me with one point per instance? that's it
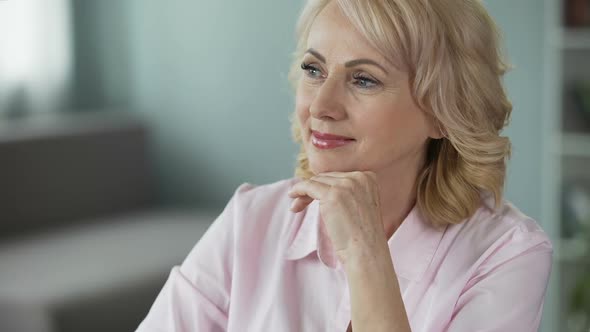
(573, 39)
(575, 145)
(565, 54)
(573, 250)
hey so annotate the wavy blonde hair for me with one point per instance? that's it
(451, 50)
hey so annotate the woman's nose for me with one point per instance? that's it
(327, 104)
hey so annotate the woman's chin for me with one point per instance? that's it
(318, 168)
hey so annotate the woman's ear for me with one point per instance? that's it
(436, 130)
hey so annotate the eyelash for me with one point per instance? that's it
(358, 77)
(308, 68)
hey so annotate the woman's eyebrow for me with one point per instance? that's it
(350, 63)
(353, 63)
(317, 55)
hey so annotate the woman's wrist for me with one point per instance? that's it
(365, 258)
(376, 303)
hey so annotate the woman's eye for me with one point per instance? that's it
(311, 70)
(365, 82)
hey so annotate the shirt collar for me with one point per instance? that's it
(412, 246)
(305, 237)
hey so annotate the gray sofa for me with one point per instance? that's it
(84, 245)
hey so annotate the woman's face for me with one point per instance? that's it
(349, 89)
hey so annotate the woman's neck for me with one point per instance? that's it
(397, 196)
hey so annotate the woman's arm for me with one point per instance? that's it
(196, 295)
(506, 293)
(349, 205)
(375, 297)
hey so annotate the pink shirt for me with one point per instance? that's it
(261, 267)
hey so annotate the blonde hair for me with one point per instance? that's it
(451, 50)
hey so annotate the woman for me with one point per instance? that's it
(395, 221)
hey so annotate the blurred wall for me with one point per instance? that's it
(211, 76)
(522, 25)
(102, 73)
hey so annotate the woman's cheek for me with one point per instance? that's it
(302, 109)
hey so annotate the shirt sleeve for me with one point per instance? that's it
(508, 290)
(196, 295)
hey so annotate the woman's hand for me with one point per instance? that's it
(350, 208)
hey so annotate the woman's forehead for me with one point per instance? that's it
(335, 37)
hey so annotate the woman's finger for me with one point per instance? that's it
(313, 189)
(300, 203)
(330, 180)
(364, 177)
(367, 180)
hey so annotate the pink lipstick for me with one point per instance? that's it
(326, 141)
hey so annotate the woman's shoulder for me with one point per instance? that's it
(263, 197)
(505, 219)
(498, 234)
(261, 218)
(262, 208)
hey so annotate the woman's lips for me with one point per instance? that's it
(327, 141)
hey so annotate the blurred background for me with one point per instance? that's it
(126, 125)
